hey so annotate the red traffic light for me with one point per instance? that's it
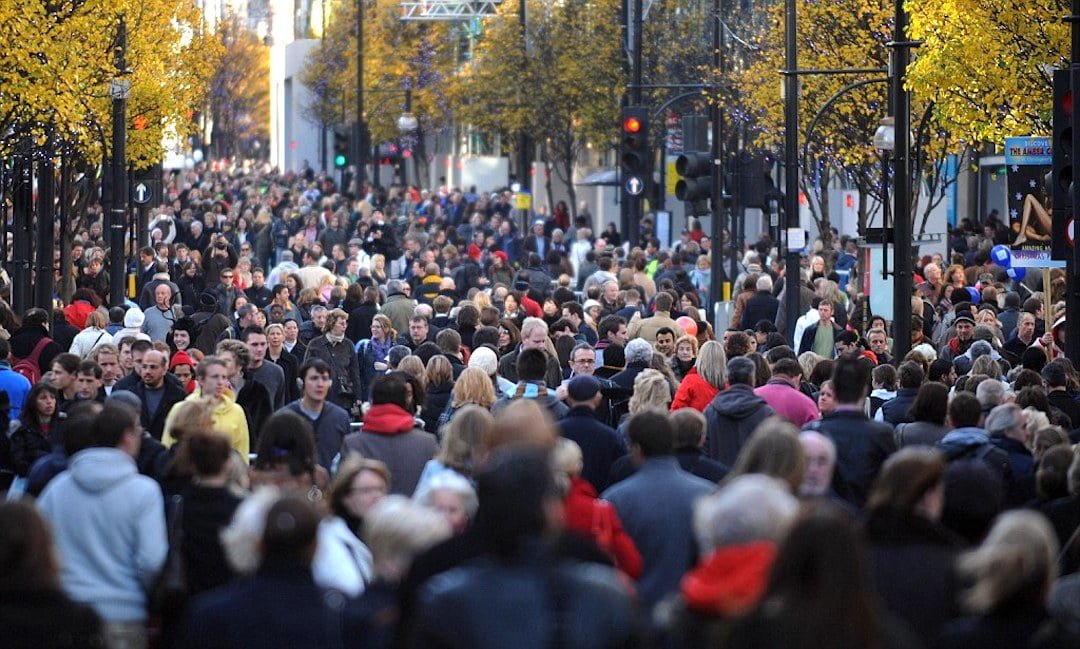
(632, 125)
(1067, 102)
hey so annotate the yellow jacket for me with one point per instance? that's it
(229, 420)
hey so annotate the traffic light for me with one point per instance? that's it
(1062, 178)
(635, 153)
(341, 147)
(696, 183)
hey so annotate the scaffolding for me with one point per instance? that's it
(447, 10)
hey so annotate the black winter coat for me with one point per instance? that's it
(730, 420)
(862, 445)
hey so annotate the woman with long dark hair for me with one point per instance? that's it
(30, 441)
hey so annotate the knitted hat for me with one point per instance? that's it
(180, 358)
(485, 359)
(134, 318)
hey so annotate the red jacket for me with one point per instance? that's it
(694, 392)
(597, 520)
(731, 581)
(77, 312)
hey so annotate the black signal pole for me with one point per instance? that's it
(1072, 299)
(118, 210)
(792, 275)
(44, 279)
(903, 285)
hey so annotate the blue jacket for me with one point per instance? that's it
(656, 507)
(17, 387)
(109, 524)
(600, 444)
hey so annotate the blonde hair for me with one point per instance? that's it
(192, 417)
(97, 319)
(689, 340)
(651, 390)
(413, 366)
(388, 327)
(474, 386)
(438, 370)
(469, 430)
(774, 450)
(397, 529)
(712, 364)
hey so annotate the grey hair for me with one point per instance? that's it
(764, 283)
(742, 370)
(752, 507)
(1003, 418)
(1020, 549)
(638, 350)
(807, 435)
(453, 482)
(990, 393)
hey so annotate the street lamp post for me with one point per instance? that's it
(359, 127)
(118, 210)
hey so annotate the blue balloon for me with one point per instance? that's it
(1001, 255)
(974, 294)
(1016, 273)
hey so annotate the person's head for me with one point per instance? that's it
(466, 438)
(651, 391)
(582, 359)
(1025, 326)
(117, 426)
(88, 381)
(665, 341)
(40, 404)
(965, 327)
(390, 389)
(931, 404)
(910, 375)
(964, 411)
(650, 434)
(235, 354)
(583, 390)
(152, 367)
(534, 334)
(613, 329)
(688, 429)
(287, 447)
(290, 535)
(686, 348)
(520, 496)
(359, 485)
(315, 381)
(1007, 420)
(910, 484)
(1052, 474)
(451, 495)
(820, 454)
(850, 379)
(748, 509)
(1014, 566)
(532, 364)
(884, 377)
(878, 341)
(28, 559)
(64, 367)
(418, 329)
(742, 371)
(474, 386)
(826, 400)
(213, 376)
(663, 302)
(774, 450)
(207, 451)
(825, 311)
(396, 530)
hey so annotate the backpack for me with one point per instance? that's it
(29, 366)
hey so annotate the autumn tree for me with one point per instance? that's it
(398, 55)
(239, 92)
(987, 65)
(55, 67)
(842, 110)
(562, 88)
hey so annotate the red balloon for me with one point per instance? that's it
(688, 325)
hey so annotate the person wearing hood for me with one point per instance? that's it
(968, 439)
(109, 524)
(229, 418)
(734, 413)
(390, 434)
(134, 319)
(30, 335)
(207, 324)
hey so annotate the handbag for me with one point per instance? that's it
(171, 589)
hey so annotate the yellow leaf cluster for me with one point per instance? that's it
(987, 64)
(56, 61)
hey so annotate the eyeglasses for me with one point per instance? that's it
(586, 361)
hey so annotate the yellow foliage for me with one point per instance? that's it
(55, 67)
(987, 63)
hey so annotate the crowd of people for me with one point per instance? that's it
(419, 418)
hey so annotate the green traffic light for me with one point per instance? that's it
(339, 161)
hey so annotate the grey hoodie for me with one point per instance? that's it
(109, 524)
